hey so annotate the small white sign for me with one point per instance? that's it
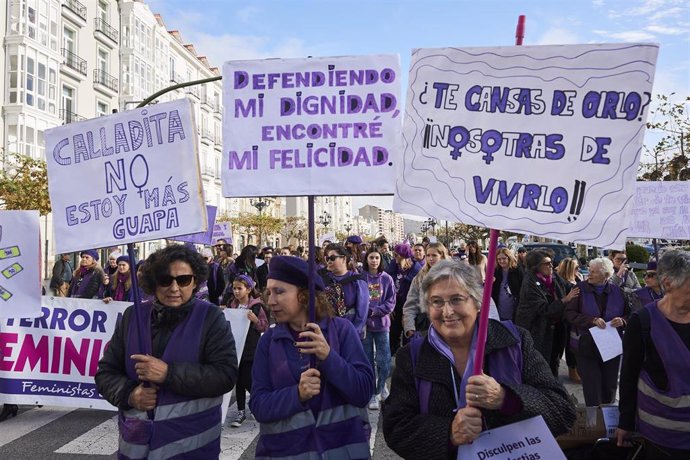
(661, 210)
(610, 415)
(608, 341)
(128, 177)
(237, 317)
(528, 439)
(20, 262)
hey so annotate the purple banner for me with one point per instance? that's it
(202, 237)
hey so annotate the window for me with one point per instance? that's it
(69, 40)
(103, 11)
(102, 60)
(68, 103)
(30, 81)
(15, 93)
(101, 109)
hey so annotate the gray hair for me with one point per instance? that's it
(674, 267)
(604, 263)
(464, 274)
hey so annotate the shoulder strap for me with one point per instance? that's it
(423, 386)
(645, 329)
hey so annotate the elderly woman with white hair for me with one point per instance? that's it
(435, 403)
(655, 389)
(601, 304)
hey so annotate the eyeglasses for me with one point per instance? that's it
(650, 275)
(182, 280)
(455, 302)
(332, 258)
(547, 264)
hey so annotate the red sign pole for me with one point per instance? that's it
(491, 262)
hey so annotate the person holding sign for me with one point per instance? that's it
(435, 403)
(87, 279)
(601, 304)
(169, 363)
(306, 411)
(655, 390)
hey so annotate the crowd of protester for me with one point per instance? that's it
(400, 309)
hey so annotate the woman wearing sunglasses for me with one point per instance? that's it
(169, 389)
(651, 292)
(436, 404)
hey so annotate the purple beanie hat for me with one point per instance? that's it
(90, 252)
(292, 270)
(403, 250)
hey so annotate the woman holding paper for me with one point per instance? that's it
(305, 411)
(169, 363)
(601, 304)
(435, 404)
(655, 392)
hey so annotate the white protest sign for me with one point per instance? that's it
(321, 126)
(661, 210)
(52, 359)
(222, 231)
(611, 415)
(127, 177)
(20, 261)
(542, 140)
(240, 326)
(526, 440)
(608, 341)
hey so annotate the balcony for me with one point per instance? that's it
(106, 29)
(104, 82)
(208, 101)
(218, 143)
(70, 117)
(193, 90)
(208, 171)
(76, 11)
(175, 78)
(74, 62)
(206, 136)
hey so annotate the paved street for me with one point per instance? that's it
(85, 434)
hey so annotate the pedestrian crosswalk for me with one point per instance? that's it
(97, 436)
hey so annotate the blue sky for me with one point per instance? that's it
(226, 30)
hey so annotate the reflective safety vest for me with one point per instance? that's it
(338, 431)
(182, 427)
(663, 416)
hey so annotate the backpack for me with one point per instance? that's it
(334, 290)
(424, 386)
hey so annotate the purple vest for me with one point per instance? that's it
(647, 296)
(663, 416)
(336, 427)
(615, 307)
(176, 417)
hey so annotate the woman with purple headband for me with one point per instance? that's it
(245, 297)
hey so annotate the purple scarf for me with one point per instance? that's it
(120, 289)
(548, 282)
(442, 347)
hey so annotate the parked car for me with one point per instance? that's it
(561, 251)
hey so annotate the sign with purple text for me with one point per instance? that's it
(202, 237)
(52, 359)
(132, 176)
(20, 261)
(222, 231)
(543, 140)
(661, 210)
(321, 126)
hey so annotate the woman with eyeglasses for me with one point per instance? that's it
(542, 303)
(435, 403)
(651, 292)
(507, 284)
(654, 385)
(345, 288)
(602, 304)
(167, 366)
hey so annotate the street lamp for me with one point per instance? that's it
(325, 220)
(424, 228)
(348, 227)
(431, 224)
(260, 204)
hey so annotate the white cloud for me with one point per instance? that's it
(629, 36)
(557, 36)
(665, 30)
(221, 48)
(598, 2)
(674, 12)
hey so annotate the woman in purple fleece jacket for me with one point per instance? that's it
(309, 412)
(381, 304)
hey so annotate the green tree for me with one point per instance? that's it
(257, 224)
(24, 184)
(669, 156)
(294, 227)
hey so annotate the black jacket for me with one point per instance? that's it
(538, 311)
(415, 436)
(214, 374)
(59, 270)
(215, 283)
(515, 277)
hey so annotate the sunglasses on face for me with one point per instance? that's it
(650, 275)
(332, 258)
(182, 280)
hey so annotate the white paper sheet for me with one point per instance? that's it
(608, 341)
